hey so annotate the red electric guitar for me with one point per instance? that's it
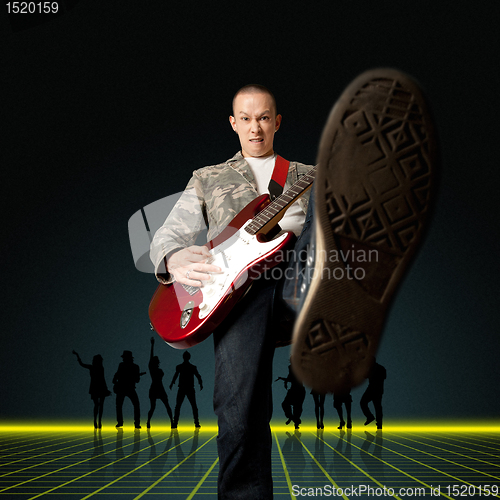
(185, 315)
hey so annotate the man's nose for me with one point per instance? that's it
(255, 125)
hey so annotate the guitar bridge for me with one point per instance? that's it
(190, 289)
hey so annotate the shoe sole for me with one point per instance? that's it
(374, 185)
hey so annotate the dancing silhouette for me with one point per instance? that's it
(127, 375)
(294, 399)
(98, 389)
(186, 373)
(319, 408)
(156, 391)
(374, 393)
(345, 399)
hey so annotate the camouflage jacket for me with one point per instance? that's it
(211, 200)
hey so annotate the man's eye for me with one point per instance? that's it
(264, 117)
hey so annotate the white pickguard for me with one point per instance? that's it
(232, 256)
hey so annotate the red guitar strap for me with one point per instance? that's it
(278, 178)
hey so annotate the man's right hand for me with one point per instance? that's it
(189, 266)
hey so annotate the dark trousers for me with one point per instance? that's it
(376, 399)
(190, 394)
(293, 403)
(244, 350)
(132, 395)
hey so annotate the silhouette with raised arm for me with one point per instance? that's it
(98, 389)
(345, 399)
(186, 373)
(319, 408)
(374, 393)
(156, 391)
(127, 375)
(294, 399)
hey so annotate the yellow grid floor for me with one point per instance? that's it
(398, 462)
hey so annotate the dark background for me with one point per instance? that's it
(110, 106)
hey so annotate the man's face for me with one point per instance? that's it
(255, 122)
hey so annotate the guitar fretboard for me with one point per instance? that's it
(281, 203)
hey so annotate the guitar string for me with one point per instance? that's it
(263, 217)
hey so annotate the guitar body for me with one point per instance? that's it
(185, 316)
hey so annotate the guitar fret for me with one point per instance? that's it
(279, 204)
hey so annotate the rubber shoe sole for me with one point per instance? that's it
(374, 188)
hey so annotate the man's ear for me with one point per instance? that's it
(232, 121)
(277, 123)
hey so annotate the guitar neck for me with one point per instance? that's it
(273, 213)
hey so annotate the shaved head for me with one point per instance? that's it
(255, 88)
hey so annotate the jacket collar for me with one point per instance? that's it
(239, 164)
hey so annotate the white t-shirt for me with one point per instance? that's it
(262, 169)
